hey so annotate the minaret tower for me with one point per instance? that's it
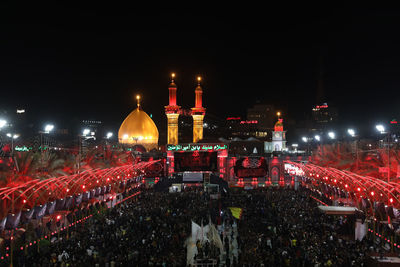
(172, 112)
(198, 113)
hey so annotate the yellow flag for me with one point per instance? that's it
(236, 212)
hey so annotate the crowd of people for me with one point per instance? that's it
(147, 231)
(278, 227)
(283, 227)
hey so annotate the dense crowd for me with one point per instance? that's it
(283, 227)
(149, 231)
(279, 227)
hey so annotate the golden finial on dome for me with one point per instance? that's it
(198, 80)
(172, 77)
(138, 100)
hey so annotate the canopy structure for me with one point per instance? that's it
(87, 184)
(335, 210)
(363, 191)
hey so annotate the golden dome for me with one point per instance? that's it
(139, 128)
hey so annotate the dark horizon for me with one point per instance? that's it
(93, 66)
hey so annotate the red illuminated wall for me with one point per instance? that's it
(172, 94)
(222, 164)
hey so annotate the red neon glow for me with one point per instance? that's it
(172, 94)
(279, 126)
(37, 192)
(350, 182)
(321, 106)
(249, 122)
(198, 99)
(232, 118)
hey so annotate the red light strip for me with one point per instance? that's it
(319, 201)
(381, 236)
(64, 228)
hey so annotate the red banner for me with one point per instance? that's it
(251, 172)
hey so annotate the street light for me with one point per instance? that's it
(295, 146)
(380, 128)
(331, 135)
(305, 139)
(351, 132)
(48, 128)
(85, 132)
(12, 136)
(2, 123)
(317, 137)
(109, 135)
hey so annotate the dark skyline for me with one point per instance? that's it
(89, 64)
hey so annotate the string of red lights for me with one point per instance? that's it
(27, 245)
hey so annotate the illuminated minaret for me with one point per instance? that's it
(198, 113)
(172, 112)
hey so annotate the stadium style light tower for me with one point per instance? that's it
(2, 123)
(352, 133)
(381, 130)
(47, 129)
(12, 136)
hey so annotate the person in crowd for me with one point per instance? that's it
(279, 227)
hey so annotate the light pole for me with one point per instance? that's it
(84, 134)
(381, 129)
(47, 129)
(352, 133)
(108, 137)
(12, 136)
(295, 146)
(2, 123)
(306, 140)
(318, 139)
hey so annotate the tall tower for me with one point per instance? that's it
(172, 112)
(278, 136)
(198, 113)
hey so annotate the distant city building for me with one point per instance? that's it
(264, 115)
(236, 127)
(323, 115)
(251, 127)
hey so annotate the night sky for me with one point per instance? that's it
(89, 64)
